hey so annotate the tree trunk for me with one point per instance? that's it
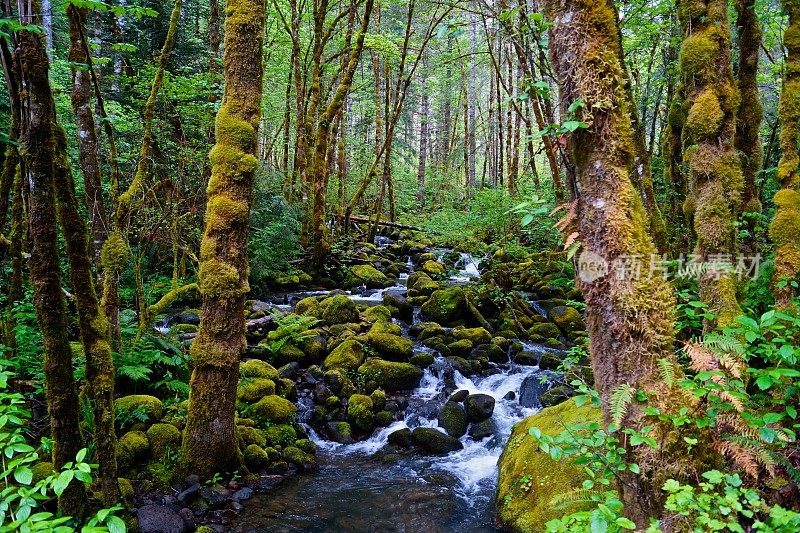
(209, 443)
(36, 150)
(471, 101)
(749, 117)
(88, 144)
(708, 135)
(630, 322)
(783, 229)
(423, 141)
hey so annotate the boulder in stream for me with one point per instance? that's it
(479, 407)
(453, 419)
(434, 441)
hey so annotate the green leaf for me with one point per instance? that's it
(625, 523)
(764, 382)
(62, 482)
(23, 475)
(115, 524)
(81, 455)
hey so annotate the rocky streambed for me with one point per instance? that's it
(386, 407)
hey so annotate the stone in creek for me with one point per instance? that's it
(434, 441)
(459, 396)
(530, 392)
(400, 438)
(453, 419)
(481, 430)
(479, 407)
(156, 518)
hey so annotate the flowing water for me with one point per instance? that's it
(367, 487)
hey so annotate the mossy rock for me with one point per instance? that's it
(246, 435)
(522, 508)
(433, 268)
(275, 409)
(422, 359)
(132, 447)
(391, 346)
(339, 309)
(445, 306)
(349, 355)
(378, 398)
(545, 330)
(255, 457)
(340, 432)
(184, 328)
(300, 458)
(309, 306)
(142, 403)
(390, 375)
(250, 390)
(255, 368)
(42, 470)
(453, 419)
(359, 412)
(163, 438)
(422, 284)
(378, 313)
(475, 335)
(460, 348)
(126, 491)
(367, 275)
(383, 419)
(279, 435)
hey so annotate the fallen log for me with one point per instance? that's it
(355, 218)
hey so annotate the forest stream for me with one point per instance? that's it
(367, 486)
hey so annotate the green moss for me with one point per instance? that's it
(378, 398)
(298, 457)
(220, 280)
(368, 275)
(246, 435)
(125, 489)
(309, 307)
(255, 457)
(476, 335)
(255, 368)
(529, 479)
(149, 405)
(378, 313)
(433, 268)
(359, 411)
(445, 306)
(347, 356)
(275, 409)
(389, 375)
(114, 254)
(705, 116)
(131, 447)
(279, 435)
(223, 211)
(184, 328)
(391, 346)
(42, 470)
(339, 309)
(163, 437)
(697, 54)
(252, 390)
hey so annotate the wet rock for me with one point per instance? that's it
(453, 419)
(496, 354)
(400, 438)
(474, 335)
(459, 396)
(340, 432)
(156, 518)
(530, 392)
(348, 356)
(245, 493)
(567, 318)
(445, 306)
(390, 375)
(556, 395)
(479, 407)
(390, 345)
(460, 364)
(288, 371)
(188, 518)
(275, 409)
(433, 268)
(367, 275)
(481, 430)
(527, 357)
(460, 348)
(359, 412)
(397, 301)
(339, 309)
(422, 359)
(189, 494)
(434, 441)
(510, 395)
(545, 330)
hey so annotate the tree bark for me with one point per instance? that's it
(783, 228)
(630, 320)
(36, 150)
(708, 137)
(209, 443)
(471, 97)
(423, 141)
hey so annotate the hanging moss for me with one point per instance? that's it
(705, 116)
(697, 53)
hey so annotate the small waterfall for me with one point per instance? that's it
(536, 306)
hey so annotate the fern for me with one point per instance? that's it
(135, 372)
(723, 344)
(565, 499)
(667, 371)
(620, 399)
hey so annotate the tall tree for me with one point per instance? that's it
(784, 230)
(630, 320)
(708, 137)
(37, 140)
(424, 110)
(209, 442)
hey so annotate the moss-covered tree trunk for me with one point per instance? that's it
(37, 153)
(749, 116)
(87, 130)
(784, 230)
(209, 441)
(708, 138)
(630, 318)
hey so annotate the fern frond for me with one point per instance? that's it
(702, 359)
(620, 399)
(723, 344)
(563, 500)
(667, 371)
